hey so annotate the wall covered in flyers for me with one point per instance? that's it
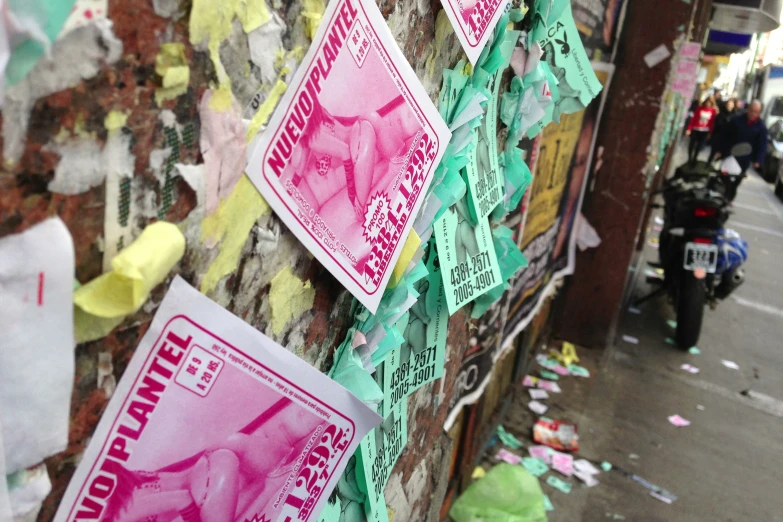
(565, 158)
(321, 295)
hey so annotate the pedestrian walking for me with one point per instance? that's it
(700, 127)
(747, 128)
(722, 121)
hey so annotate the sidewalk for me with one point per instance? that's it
(728, 464)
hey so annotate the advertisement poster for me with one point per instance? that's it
(479, 359)
(566, 56)
(548, 242)
(473, 21)
(347, 174)
(467, 255)
(212, 420)
(422, 355)
(596, 21)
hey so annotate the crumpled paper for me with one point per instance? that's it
(102, 303)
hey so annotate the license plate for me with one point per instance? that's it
(701, 256)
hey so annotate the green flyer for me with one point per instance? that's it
(379, 451)
(559, 38)
(484, 179)
(467, 256)
(421, 357)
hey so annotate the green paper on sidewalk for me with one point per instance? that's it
(507, 438)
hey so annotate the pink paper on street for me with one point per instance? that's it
(473, 21)
(351, 150)
(541, 452)
(507, 456)
(212, 420)
(563, 462)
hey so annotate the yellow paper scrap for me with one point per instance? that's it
(115, 120)
(288, 298)
(312, 11)
(478, 473)
(408, 251)
(265, 110)
(567, 356)
(136, 270)
(443, 28)
(172, 66)
(211, 20)
(230, 225)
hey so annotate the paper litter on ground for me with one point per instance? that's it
(679, 421)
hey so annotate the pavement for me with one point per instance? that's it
(728, 464)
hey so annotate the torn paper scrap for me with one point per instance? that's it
(730, 364)
(541, 452)
(534, 466)
(37, 273)
(31, 28)
(630, 339)
(27, 489)
(289, 298)
(679, 421)
(203, 391)
(507, 456)
(563, 463)
(347, 174)
(135, 272)
(474, 21)
(585, 466)
(689, 368)
(172, 67)
(223, 145)
(557, 483)
(586, 236)
(538, 394)
(588, 479)
(549, 386)
(537, 407)
(656, 56)
(529, 381)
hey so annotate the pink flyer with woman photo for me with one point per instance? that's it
(213, 421)
(351, 150)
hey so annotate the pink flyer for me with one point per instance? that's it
(351, 149)
(473, 21)
(211, 421)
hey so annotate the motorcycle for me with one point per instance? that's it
(701, 259)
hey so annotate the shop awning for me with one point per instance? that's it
(746, 16)
(725, 43)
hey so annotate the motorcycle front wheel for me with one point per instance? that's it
(690, 310)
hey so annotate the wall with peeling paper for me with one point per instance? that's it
(131, 119)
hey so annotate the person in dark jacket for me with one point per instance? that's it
(722, 121)
(745, 128)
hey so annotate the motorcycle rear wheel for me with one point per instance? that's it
(690, 310)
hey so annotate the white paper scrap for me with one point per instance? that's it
(656, 56)
(730, 364)
(538, 394)
(347, 174)
(585, 466)
(204, 391)
(36, 354)
(588, 479)
(537, 407)
(630, 339)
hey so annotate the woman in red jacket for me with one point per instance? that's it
(700, 127)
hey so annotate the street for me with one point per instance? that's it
(726, 465)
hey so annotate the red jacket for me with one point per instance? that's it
(703, 119)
